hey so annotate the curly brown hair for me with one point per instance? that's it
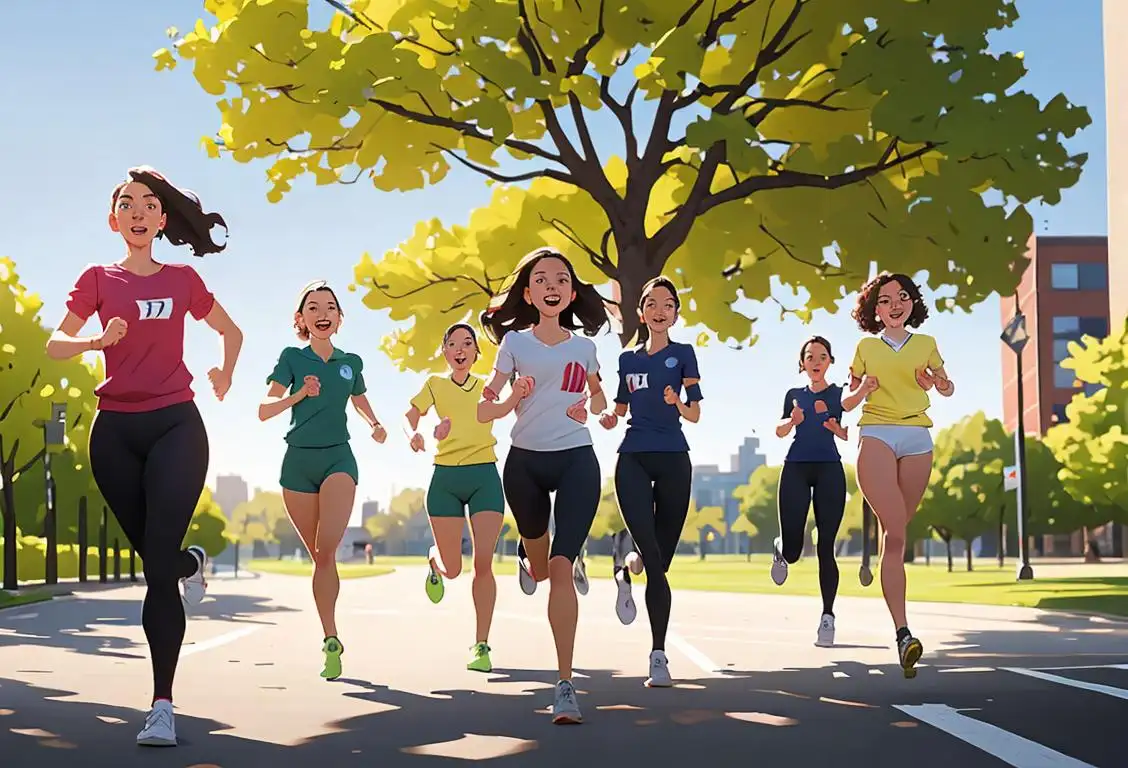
(314, 287)
(865, 308)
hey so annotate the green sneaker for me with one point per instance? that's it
(333, 651)
(434, 585)
(481, 661)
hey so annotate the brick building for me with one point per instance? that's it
(1064, 294)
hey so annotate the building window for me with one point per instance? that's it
(1063, 277)
(1064, 377)
(1091, 276)
(1067, 327)
(1061, 349)
(1094, 326)
(1091, 389)
(1059, 414)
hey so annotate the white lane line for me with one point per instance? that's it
(1012, 749)
(1107, 690)
(1083, 666)
(703, 662)
(215, 642)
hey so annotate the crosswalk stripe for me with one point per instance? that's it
(1012, 749)
(1107, 690)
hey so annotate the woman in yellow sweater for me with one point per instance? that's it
(893, 370)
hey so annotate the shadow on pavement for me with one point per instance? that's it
(86, 626)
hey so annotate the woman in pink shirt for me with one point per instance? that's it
(148, 445)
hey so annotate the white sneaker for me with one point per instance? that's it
(659, 671)
(160, 729)
(579, 576)
(196, 586)
(625, 607)
(826, 632)
(634, 562)
(524, 578)
(779, 565)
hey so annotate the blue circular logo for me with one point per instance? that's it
(346, 371)
(671, 362)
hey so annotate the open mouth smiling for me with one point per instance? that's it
(459, 359)
(552, 300)
(323, 325)
(139, 230)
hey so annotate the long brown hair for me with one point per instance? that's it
(186, 223)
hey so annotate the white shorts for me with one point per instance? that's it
(902, 440)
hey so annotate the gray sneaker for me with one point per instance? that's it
(779, 565)
(826, 632)
(524, 578)
(565, 709)
(659, 671)
(579, 576)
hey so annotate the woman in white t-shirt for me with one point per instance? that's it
(555, 379)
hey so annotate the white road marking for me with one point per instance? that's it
(1083, 666)
(1012, 749)
(1107, 690)
(215, 642)
(703, 662)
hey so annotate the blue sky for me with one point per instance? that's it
(83, 103)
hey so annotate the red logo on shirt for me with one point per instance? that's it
(575, 375)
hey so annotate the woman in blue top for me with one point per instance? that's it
(812, 473)
(654, 474)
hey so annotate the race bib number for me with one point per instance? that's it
(154, 309)
(637, 381)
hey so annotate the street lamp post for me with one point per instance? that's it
(54, 438)
(1015, 337)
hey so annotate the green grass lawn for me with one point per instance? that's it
(1101, 588)
(24, 597)
(301, 568)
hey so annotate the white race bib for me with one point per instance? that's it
(154, 309)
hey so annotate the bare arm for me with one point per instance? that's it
(944, 386)
(411, 421)
(66, 343)
(277, 402)
(490, 409)
(364, 408)
(691, 412)
(232, 337)
(856, 396)
(598, 398)
(783, 429)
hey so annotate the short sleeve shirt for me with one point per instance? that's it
(470, 441)
(322, 421)
(812, 440)
(560, 373)
(145, 370)
(654, 425)
(898, 398)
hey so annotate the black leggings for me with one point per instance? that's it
(573, 474)
(653, 491)
(824, 483)
(150, 468)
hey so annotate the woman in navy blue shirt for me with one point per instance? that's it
(653, 474)
(812, 474)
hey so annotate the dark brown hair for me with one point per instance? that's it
(661, 281)
(814, 340)
(462, 327)
(865, 308)
(508, 311)
(314, 287)
(185, 220)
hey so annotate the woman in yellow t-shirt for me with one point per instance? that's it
(465, 480)
(893, 370)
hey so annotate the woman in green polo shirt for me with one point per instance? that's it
(465, 480)
(319, 472)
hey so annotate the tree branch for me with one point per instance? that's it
(579, 58)
(623, 114)
(541, 173)
(30, 462)
(674, 232)
(600, 260)
(802, 179)
(12, 403)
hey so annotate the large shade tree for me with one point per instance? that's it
(726, 142)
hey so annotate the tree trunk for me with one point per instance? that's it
(948, 546)
(82, 539)
(11, 581)
(635, 269)
(968, 542)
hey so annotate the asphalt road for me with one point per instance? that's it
(753, 689)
